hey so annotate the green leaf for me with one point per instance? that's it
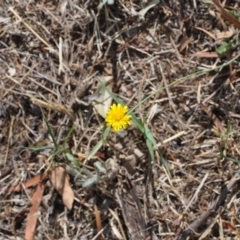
(138, 123)
(150, 149)
(68, 136)
(224, 49)
(95, 149)
(72, 159)
(149, 142)
(164, 162)
(40, 148)
(106, 131)
(51, 134)
(149, 135)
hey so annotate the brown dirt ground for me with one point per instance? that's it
(52, 55)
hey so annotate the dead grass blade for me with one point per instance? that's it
(29, 183)
(56, 106)
(207, 32)
(9, 139)
(33, 213)
(185, 43)
(98, 220)
(207, 232)
(211, 209)
(60, 180)
(50, 48)
(214, 118)
(225, 14)
(30, 28)
(119, 225)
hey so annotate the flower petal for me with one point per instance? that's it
(117, 117)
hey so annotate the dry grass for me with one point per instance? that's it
(52, 55)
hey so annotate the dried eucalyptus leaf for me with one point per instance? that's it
(104, 100)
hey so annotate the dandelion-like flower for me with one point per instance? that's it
(117, 117)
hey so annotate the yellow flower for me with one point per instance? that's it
(117, 117)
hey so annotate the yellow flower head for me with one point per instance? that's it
(117, 117)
